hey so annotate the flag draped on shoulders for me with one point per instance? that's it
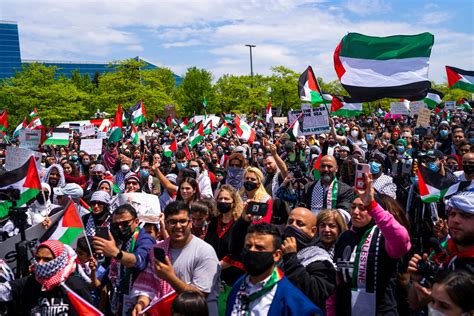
(26, 180)
(371, 68)
(459, 78)
(68, 227)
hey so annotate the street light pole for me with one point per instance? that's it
(251, 63)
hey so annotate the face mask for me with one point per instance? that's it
(125, 169)
(86, 162)
(231, 148)
(443, 133)
(331, 143)
(214, 161)
(196, 169)
(354, 133)
(257, 262)
(468, 169)
(433, 166)
(144, 173)
(181, 165)
(100, 217)
(370, 137)
(260, 161)
(250, 186)
(400, 149)
(224, 207)
(121, 233)
(96, 178)
(434, 312)
(453, 168)
(374, 167)
(302, 239)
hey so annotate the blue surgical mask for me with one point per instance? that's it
(414, 180)
(144, 173)
(443, 133)
(369, 137)
(400, 149)
(433, 166)
(181, 165)
(375, 167)
(196, 169)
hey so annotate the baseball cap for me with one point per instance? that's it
(71, 189)
(434, 153)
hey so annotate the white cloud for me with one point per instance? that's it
(434, 18)
(367, 7)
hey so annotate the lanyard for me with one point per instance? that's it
(221, 232)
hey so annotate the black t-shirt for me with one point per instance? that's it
(30, 300)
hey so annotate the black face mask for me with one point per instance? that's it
(40, 198)
(468, 169)
(257, 262)
(96, 178)
(302, 239)
(214, 161)
(250, 186)
(100, 217)
(224, 207)
(121, 233)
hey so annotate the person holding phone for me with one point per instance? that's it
(100, 215)
(253, 190)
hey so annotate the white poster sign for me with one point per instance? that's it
(424, 116)
(450, 105)
(147, 205)
(16, 157)
(315, 120)
(400, 108)
(92, 146)
(30, 139)
(87, 130)
(415, 107)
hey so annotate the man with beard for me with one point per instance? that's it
(264, 290)
(467, 172)
(190, 264)
(328, 192)
(127, 246)
(54, 176)
(307, 263)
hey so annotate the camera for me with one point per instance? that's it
(427, 269)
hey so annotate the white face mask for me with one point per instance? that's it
(434, 312)
(125, 168)
(354, 133)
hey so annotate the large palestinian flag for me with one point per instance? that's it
(26, 180)
(371, 68)
(341, 106)
(458, 78)
(431, 185)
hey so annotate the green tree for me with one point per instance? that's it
(196, 85)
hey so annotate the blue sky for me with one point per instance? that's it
(212, 34)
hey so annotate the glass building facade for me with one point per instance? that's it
(10, 58)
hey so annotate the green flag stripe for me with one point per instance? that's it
(361, 46)
(464, 86)
(70, 235)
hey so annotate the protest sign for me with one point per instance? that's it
(17, 157)
(169, 110)
(32, 234)
(280, 120)
(101, 135)
(30, 139)
(400, 108)
(92, 146)
(315, 120)
(415, 107)
(450, 105)
(147, 205)
(423, 117)
(87, 130)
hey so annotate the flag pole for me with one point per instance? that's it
(290, 126)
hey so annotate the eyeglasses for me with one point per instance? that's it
(124, 223)
(174, 222)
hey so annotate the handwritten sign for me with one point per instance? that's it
(315, 120)
(450, 105)
(92, 146)
(30, 139)
(87, 130)
(401, 108)
(415, 107)
(16, 157)
(424, 115)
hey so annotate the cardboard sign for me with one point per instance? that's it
(30, 139)
(169, 110)
(280, 120)
(147, 205)
(424, 115)
(17, 157)
(101, 135)
(415, 107)
(450, 105)
(87, 130)
(400, 108)
(92, 146)
(315, 120)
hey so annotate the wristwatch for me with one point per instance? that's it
(119, 255)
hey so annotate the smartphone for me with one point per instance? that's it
(159, 254)
(102, 232)
(257, 209)
(361, 169)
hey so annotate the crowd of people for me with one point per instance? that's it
(277, 226)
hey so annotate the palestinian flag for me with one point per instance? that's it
(116, 133)
(35, 123)
(34, 113)
(81, 306)
(244, 131)
(171, 122)
(464, 105)
(294, 130)
(68, 228)
(372, 68)
(223, 130)
(458, 78)
(134, 135)
(26, 180)
(169, 150)
(137, 113)
(341, 106)
(20, 127)
(185, 125)
(208, 128)
(197, 135)
(308, 88)
(161, 306)
(433, 98)
(187, 153)
(431, 185)
(462, 186)
(4, 125)
(268, 113)
(85, 205)
(60, 137)
(316, 168)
